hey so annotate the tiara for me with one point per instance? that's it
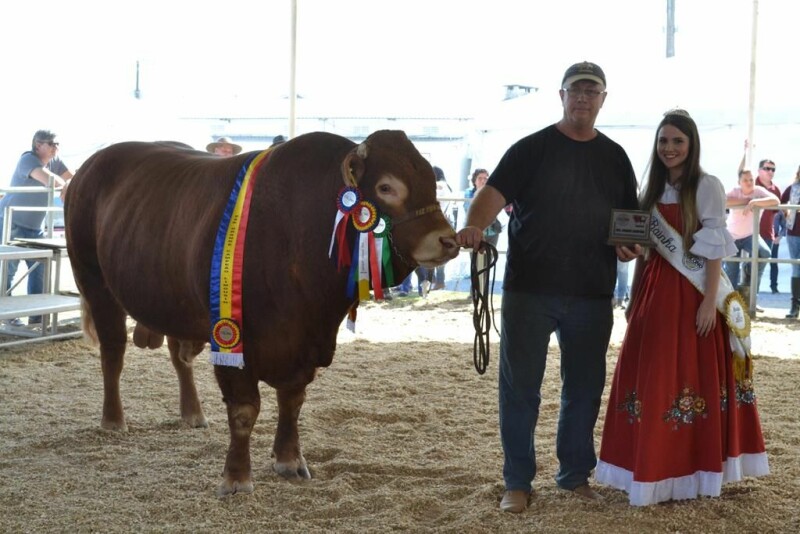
(678, 111)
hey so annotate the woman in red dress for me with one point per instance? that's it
(682, 416)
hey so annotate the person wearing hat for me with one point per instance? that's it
(278, 140)
(223, 147)
(563, 181)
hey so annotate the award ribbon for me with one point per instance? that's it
(346, 202)
(371, 254)
(384, 252)
(225, 287)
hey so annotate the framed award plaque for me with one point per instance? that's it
(629, 227)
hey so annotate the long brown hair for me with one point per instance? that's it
(658, 174)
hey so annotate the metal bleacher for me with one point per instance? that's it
(15, 303)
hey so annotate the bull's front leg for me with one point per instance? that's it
(289, 461)
(182, 354)
(242, 400)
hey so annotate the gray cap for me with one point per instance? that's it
(585, 70)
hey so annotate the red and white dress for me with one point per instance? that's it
(678, 424)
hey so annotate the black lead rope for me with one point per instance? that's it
(482, 303)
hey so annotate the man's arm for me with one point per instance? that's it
(42, 175)
(482, 212)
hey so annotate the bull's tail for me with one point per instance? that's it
(87, 323)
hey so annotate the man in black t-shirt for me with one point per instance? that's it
(562, 182)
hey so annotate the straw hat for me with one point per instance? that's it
(222, 141)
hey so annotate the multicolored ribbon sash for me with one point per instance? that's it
(226, 269)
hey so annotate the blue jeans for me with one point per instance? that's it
(773, 267)
(405, 285)
(423, 274)
(732, 267)
(583, 328)
(622, 280)
(793, 242)
(36, 277)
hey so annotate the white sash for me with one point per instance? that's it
(669, 244)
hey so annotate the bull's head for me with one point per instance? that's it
(391, 173)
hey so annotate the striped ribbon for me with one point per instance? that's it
(225, 287)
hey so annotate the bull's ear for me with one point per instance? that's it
(353, 167)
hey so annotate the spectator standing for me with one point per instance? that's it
(436, 277)
(559, 277)
(766, 174)
(740, 224)
(766, 229)
(779, 230)
(40, 166)
(492, 233)
(792, 196)
(223, 147)
(681, 417)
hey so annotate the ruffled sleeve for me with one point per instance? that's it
(712, 241)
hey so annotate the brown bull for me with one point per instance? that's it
(141, 221)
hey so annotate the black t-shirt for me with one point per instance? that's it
(563, 191)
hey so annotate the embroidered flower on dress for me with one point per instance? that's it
(632, 406)
(745, 394)
(685, 409)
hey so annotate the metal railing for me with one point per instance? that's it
(5, 231)
(754, 259)
(50, 208)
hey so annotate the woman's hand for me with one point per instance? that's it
(706, 317)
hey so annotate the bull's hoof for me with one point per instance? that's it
(196, 421)
(231, 487)
(116, 426)
(293, 470)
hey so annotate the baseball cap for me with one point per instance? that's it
(585, 70)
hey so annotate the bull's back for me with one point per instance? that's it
(142, 220)
(141, 217)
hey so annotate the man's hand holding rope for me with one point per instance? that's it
(487, 204)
